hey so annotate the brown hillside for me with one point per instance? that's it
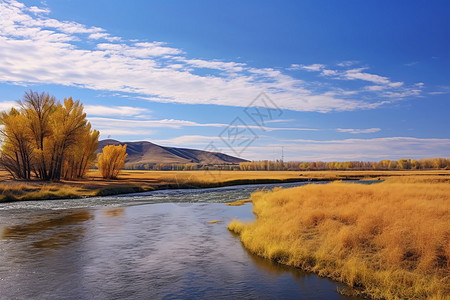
(140, 153)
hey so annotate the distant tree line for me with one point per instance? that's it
(47, 139)
(181, 167)
(278, 165)
(401, 164)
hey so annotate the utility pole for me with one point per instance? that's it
(282, 153)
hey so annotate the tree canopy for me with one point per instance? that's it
(46, 138)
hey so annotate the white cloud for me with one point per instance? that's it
(358, 131)
(138, 50)
(438, 93)
(190, 140)
(103, 35)
(104, 123)
(125, 111)
(402, 93)
(375, 87)
(288, 129)
(7, 105)
(109, 132)
(218, 65)
(39, 10)
(326, 72)
(311, 68)
(110, 123)
(383, 86)
(358, 74)
(42, 50)
(346, 63)
(395, 84)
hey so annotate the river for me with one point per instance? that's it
(154, 245)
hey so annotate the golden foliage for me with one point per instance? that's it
(17, 148)
(391, 239)
(83, 154)
(112, 160)
(47, 138)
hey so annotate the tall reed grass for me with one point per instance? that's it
(388, 240)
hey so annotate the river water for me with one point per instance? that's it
(154, 245)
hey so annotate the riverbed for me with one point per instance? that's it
(154, 245)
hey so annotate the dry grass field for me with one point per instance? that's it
(388, 240)
(139, 181)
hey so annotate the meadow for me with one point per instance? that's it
(388, 240)
(139, 181)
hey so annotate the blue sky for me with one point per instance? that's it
(320, 80)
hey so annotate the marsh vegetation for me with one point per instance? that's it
(388, 240)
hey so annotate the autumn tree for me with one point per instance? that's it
(404, 164)
(112, 160)
(37, 108)
(45, 137)
(17, 150)
(83, 154)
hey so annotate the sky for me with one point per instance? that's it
(293, 80)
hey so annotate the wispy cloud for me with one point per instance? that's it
(347, 63)
(438, 93)
(383, 85)
(441, 90)
(313, 67)
(358, 131)
(110, 111)
(136, 127)
(38, 49)
(358, 73)
(410, 64)
(191, 140)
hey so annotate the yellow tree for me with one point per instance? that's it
(112, 160)
(37, 108)
(45, 135)
(404, 164)
(68, 123)
(17, 151)
(82, 154)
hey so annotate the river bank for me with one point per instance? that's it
(388, 240)
(142, 181)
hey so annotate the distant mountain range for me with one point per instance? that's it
(142, 153)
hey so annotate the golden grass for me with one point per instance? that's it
(213, 221)
(388, 240)
(32, 191)
(208, 177)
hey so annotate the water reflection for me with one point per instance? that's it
(50, 232)
(305, 280)
(113, 213)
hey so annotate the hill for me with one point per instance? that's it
(141, 153)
